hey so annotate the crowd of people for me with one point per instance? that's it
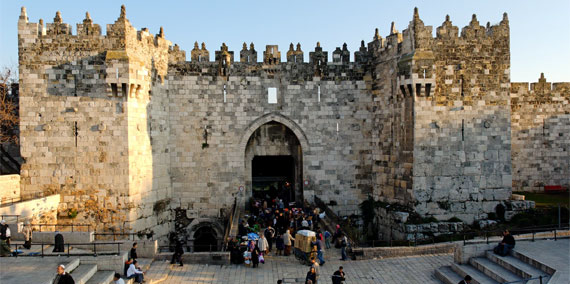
(271, 228)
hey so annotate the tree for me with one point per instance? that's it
(8, 107)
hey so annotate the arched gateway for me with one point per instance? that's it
(273, 147)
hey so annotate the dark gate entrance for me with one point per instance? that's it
(205, 239)
(274, 177)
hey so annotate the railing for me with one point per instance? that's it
(539, 278)
(42, 253)
(208, 248)
(9, 201)
(12, 200)
(72, 226)
(229, 225)
(10, 216)
(465, 236)
(331, 215)
(130, 236)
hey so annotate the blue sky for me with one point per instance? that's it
(540, 30)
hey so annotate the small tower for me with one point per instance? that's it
(271, 55)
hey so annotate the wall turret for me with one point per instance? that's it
(248, 56)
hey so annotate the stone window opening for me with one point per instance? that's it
(337, 128)
(114, 89)
(272, 95)
(124, 89)
(418, 90)
(225, 93)
(428, 89)
(463, 130)
(319, 93)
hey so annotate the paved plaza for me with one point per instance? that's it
(394, 270)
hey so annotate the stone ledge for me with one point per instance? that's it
(388, 252)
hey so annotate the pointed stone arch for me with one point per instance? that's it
(277, 117)
(295, 130)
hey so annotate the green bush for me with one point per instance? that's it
(454, 219)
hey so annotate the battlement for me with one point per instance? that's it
(540, 91)
(120, 35)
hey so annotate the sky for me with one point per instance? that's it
(540, 30)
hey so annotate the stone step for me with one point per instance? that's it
(72, 265)
(478, 276)
(493, 270)
(533, 262)
(83, 273)
(102, 277)
(446, 275)
(515, 265)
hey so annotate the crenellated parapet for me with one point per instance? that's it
(248, 55)
(55, 43)
(539, 93)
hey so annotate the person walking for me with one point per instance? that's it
(178, 252)
(317, 267)
(279, 244)
(27, 231)
(343, 244)
(262, 243)
(5, 235)
(255, 257)
(269, 235)
(338, 276)
(328, 237)
(287, 238)
(63, 277)
(319, 245)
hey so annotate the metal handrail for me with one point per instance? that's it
(62, 225)
(17, 217)
(540, 278)
(123, 234)
(229, 225)
(485, 233)
(42, 254)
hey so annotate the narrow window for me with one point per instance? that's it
(114, 89)
(319, 93)
(124, 89)
(463, 130)
(428, 89)
(225, 94)
(117, 73)
(272, 95)
(418, 90)
(337, 128)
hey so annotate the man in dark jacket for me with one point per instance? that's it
(134, 251)
(63, 277)
(338, 276)
(508, 243)
(465, 280)
(178, 252)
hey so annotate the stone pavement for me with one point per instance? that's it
(36, 270)
(555, 254)
(394, 270)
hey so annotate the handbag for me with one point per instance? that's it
(261, 259)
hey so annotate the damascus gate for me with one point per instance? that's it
(135, 134)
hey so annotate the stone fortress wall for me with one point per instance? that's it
(127, 130)
(540, 133)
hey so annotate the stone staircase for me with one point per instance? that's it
(492, 268)
(84, 273)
